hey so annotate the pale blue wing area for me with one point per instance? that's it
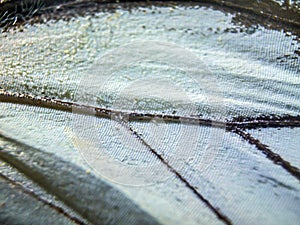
(234, 175)
(56, 161)
(187, 61)
(283, 141)
(244, 68)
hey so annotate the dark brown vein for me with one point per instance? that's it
(268, 13)
(277, 159)
(263, 121)
(247, 123)
(237, 124)
(215, 210)
(49, 204)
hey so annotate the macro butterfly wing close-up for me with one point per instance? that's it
(149, 112)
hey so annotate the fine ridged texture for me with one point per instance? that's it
(150, 113)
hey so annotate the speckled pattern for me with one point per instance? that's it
(166, 62)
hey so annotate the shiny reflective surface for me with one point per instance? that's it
(240, 71)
